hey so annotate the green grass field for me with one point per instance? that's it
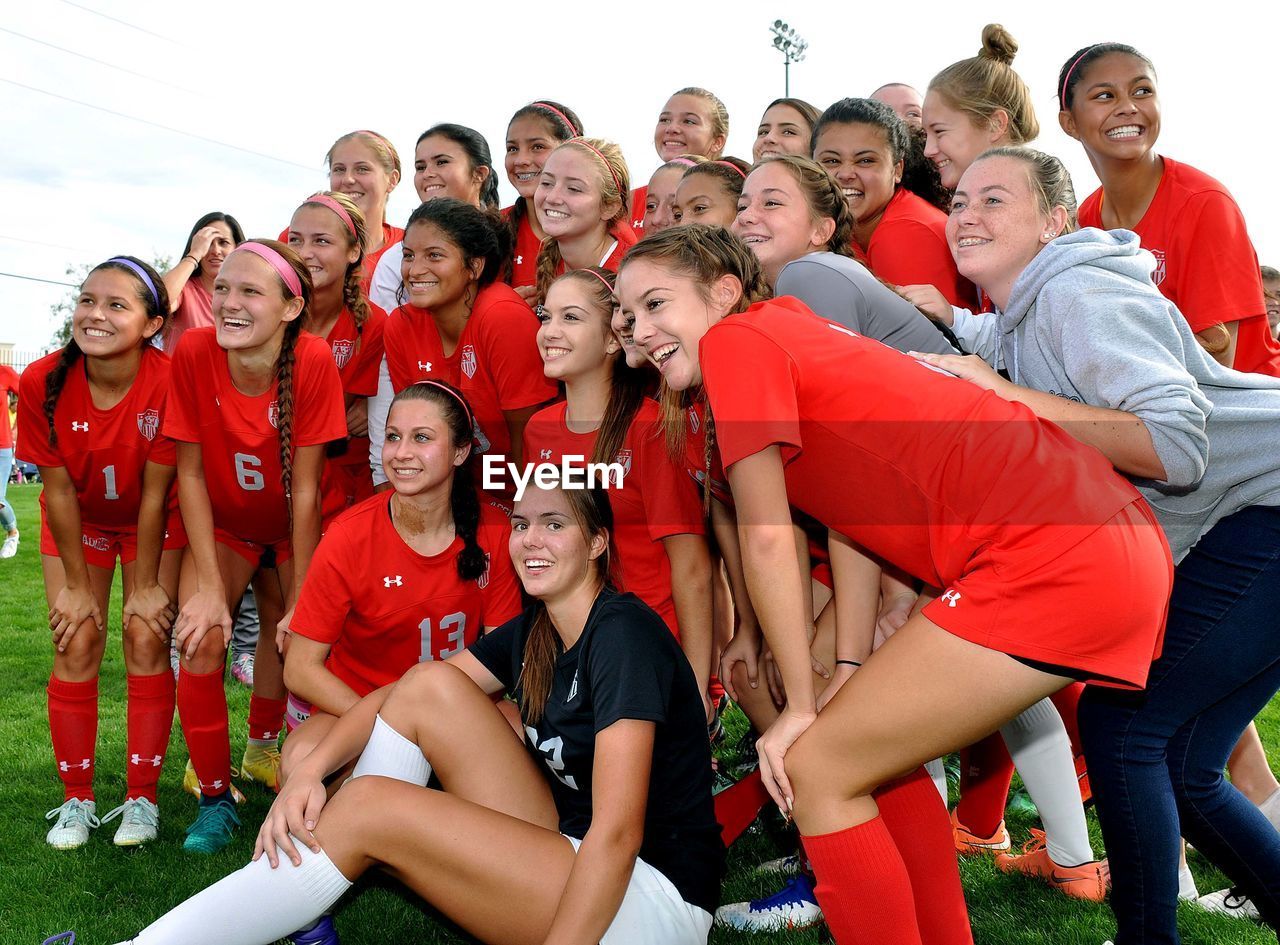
(106, 894)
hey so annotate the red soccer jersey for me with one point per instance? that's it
(624, 239)
(358, 357)
(239, 442)
(383, 607)
(657, 498)
(638, 197)
(909, 247)
(921, 468)
(496, 363)
(391, 235)
(103, 451)
(698, 464)
(524, 267)
(1205, 263)
(8, 385)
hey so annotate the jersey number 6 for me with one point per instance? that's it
(247, 473)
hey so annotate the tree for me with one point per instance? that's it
(61, 311)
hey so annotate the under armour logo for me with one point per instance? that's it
(215, 786)
(396, 581)
(951, 597)
(424, 365)
(154, 760)
(545, 454)
(519, 260)
(82, 765)
(80, 426)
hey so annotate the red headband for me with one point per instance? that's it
(326, 201)
(277, 262)
(740, 171)
(573, 129)
(609, 167)
(1062, 92)
(603, 281)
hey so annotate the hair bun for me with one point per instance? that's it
(998, 44)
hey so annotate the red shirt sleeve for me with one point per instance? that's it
(1218, 275)
(325, 599)
(502, 592)
(33, 428)
(908, 252)
(180, 420)
(671, 502)
(362, 378)
(514, 362)
(753, 408)
(319, 409)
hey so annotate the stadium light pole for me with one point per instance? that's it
(792, 46)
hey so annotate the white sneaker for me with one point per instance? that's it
(139, 822)
(1230, 902)
(793, 907)
(10, 546)
(75, 819)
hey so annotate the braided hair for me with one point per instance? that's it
(562, 123)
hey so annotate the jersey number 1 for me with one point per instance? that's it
(109, 474)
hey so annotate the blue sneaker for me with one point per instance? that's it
(213, 827)
(321, 933)
(792, 907)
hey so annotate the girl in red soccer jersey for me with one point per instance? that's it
(896, 199)
(582, 203)
(261, 400)
(1205, 263)
(190, 282)
(461, 325)
(786, 127)
(534, 132)
(821, 409)
(90, 418)
(413, 574)
(8, 522)
(660, 194)
(694, 121)
(709, 192)
(366, 167)
(605, 418)
(327, 233)
(448, 161)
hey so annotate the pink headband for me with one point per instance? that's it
(687, 162)
(603, 281)
(559, 114)
(277, 262)
(609, 167)
(466, 410)
(741, 172)
(1062, 93)
(326, 201)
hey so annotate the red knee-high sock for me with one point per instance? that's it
(916, 819)
(1067, 702)
(151, 700)
(266, 717)
(984, 786)
(863, 886)
(73, 726)
(202, 709)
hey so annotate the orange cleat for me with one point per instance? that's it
(1087, 881)
(968, 844)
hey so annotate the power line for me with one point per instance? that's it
(19, 239)
(156, 124)
(101, 62)
(14, 275)
(132, 26)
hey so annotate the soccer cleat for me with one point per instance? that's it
(321, 933)
(792, 907)
(10, 546)
(139, 822)
(213, 828)
(242, 669)
(1087, 881)
(785, 865)
(968, 843)
(1230, 902)
(261, 763)
(75, 819)
(191, 784)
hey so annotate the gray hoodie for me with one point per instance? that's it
(1085, 322)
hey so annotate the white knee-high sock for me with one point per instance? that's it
(290, 897)
(390, 755)
(1041, 751)
(938, 774)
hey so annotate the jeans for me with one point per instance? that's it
(8, 521)
(1156, 757)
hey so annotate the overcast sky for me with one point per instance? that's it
(285, 78)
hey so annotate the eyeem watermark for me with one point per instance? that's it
(572, 472)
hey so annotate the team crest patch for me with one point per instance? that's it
(469, 360)
(483, 580)
(273, 414)
(623, 459)
(342, 352)
(149, 423)
(1158, 274)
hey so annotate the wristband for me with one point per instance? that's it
(195, 262)
(848, 663)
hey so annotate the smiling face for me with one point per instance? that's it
(441, 168)
(354, 170)
(782, 130)
(323, 241)
(109, 317)
(435, 271)
(418, 453)
(685, 127)
(703, 198)
(574, 337)
(552, 553)
(249, 308)
(859, 159)
(774, 219)
(1115, 112)
(997, 226)
(660, 199)
(569, 200)
(905, 102)
(952, 140)
(529, 144)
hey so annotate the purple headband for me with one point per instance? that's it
(326, 201)
(277, 262)
(141, 274)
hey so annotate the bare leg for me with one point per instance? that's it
(1249, 770)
